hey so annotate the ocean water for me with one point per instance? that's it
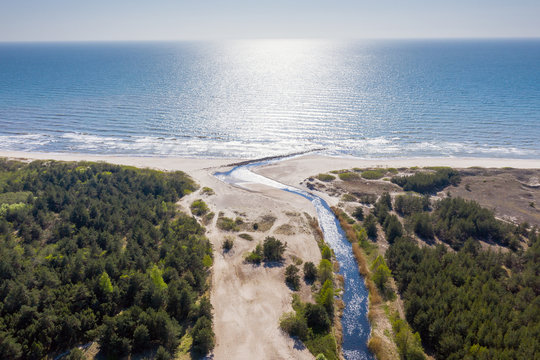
(253, 98)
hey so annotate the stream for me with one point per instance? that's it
(355, 323)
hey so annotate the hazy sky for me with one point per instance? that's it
(67, 20)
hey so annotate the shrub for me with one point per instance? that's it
(358, 213)
(326, 271)
(310, 271)
(348, 198)
(292, 278)
(198, 207)
(326, 297)
(226, 224)
(256, 256)
(294, 325)
(373, 174)
(326, 177)
(326, 252)
(246, 236)
(228, 244)
(317, 318)
(381, 272)
(348, 176)
(428, 182)
(273, 249)
(207, 191)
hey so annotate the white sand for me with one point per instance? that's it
(248, 301)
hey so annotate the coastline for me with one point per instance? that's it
(247, 300)
(288, 169)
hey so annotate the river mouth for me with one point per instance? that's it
(356, 327)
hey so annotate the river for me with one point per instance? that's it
(356, 327)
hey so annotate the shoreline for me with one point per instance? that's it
(308, 164)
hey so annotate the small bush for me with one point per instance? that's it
(228, 244)
(256, 256)
(326, 252)
(358, 213)
(292, 278)
(326, 271)
(317, 318)
(348, 198)
(310, 271)
(207, 191)
(198, 207)
(226, 224)
(373, 174)
(246, 236)
(348, 176)
(326, 177)
(294, 325)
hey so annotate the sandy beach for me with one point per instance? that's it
(249, 300)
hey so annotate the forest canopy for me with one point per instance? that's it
(98, 252)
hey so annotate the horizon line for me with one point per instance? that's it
(449, 38)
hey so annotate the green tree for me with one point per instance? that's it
(292, 278)
(273, 249)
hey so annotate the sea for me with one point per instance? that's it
(256, 98)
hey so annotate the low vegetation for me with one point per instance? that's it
(246, 236)
(426, 182)
(207, 191)
(198, 208)
(226, 224)
(228, 244)
(348, 176)
(326, 177)
(373, 174)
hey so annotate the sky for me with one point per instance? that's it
(144, 20)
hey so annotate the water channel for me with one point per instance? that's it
(355, 323)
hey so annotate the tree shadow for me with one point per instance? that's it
(298, 344)
(273, 264)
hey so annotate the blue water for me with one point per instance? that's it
(372, 99)
(356, 327)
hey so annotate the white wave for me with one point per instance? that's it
(376, 147)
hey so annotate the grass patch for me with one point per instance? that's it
(198, 207)
(246, 236)
(207, 191)
(208, 218)
(326, 177)
(348, 198)
(349, 176)
(373, 174)
(226, 224)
